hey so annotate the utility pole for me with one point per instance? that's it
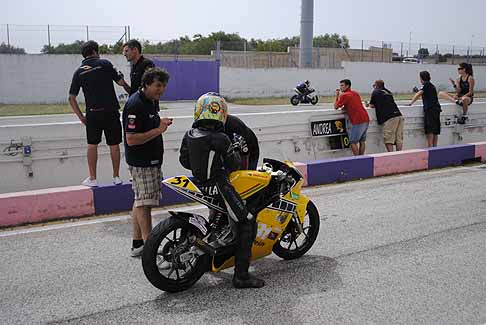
(306, 34)
(410, 45)
(8, 36)
(471, 47)
(49, 38)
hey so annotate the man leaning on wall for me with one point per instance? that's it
(387, 114)
(350, 101)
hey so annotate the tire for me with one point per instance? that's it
(290, 236)
(294, 100)
(159, 248)
(314, 100)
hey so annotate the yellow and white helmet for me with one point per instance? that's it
(210, 108)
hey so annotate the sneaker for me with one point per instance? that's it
(462, 119)
(117, 180)
(90, 182)
(459, 102)
(136, 252)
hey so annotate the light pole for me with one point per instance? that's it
(410, 45)
(471, 47)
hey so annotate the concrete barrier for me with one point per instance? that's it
(58, 150)
(117, 198)
(76, 201)
(397, 162)
(450, 155)
(342, 169)
(480, 151)
(302, 167)
(43, 205)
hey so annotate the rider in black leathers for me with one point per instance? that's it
(208, 152)
(304, 88)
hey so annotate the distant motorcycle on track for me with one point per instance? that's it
(309, 98)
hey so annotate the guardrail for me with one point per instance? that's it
(57, 155)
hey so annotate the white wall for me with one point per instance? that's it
(241, 83)
(59, 149)
(44, 79)
(398, 77)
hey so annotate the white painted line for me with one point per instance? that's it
(39, 124)
(80, 223)
(321, 110)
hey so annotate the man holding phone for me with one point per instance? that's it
(144, 150)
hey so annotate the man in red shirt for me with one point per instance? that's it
(350, 101)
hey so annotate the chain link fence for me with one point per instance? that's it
(40, 38)
(244, 55)
(279, 53)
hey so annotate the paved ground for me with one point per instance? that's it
(175, 109)
(405, 249)
(185, 108)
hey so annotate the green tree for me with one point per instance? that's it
(61, 48)
(9, 49)
(331, 40)
(423, 53)
(75, 48)
(200, 44)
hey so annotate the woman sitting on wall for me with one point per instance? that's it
(464, 87)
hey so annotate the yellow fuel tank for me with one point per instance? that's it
(248, 182)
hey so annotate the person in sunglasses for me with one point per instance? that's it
(464, 86)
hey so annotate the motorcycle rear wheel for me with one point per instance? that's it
(294, 100)
(287, 247)
(161, 257)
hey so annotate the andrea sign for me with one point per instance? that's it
(328, 128)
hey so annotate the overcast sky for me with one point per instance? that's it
(447, 21)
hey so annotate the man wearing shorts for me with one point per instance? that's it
(388, 115)
(144, 150)
(350, 102)
(95, 76)
(432, 108)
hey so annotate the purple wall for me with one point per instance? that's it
(190, 79)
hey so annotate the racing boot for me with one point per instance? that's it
(246, 236)
(248, 281)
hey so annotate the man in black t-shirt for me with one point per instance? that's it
(233, 126)
(388, 114)
(432, 108)
(95, 76)
(132, 50)
(144, 150)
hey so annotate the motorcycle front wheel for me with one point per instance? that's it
(293, 243)
(314, 100)
(167, 259)
(294, 100)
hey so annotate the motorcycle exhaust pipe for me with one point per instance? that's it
(205, 247)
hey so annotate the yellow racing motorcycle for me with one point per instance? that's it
(181, 248)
